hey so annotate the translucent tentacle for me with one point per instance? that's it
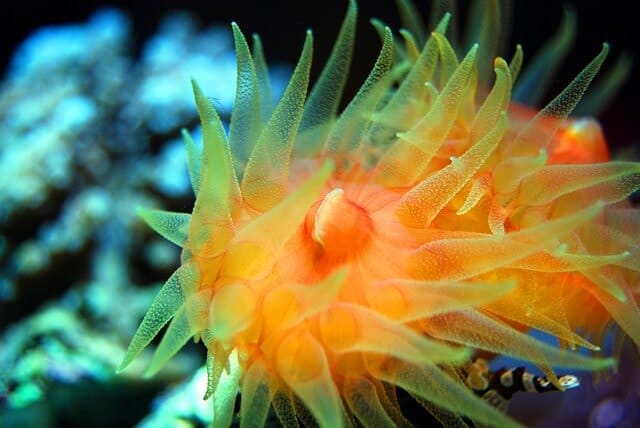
(483, 332)
(508, 173)
(605, 88)
(346, 133)
(479, 189)
(264, 82)
(423, 203)
(411, 19)
(246, 121)
(496, 102)
(170, 225)
(417, 146)
(284, 409)
(254, 407)
(224, 397)
(291, 304)
(193, 161)
(531, 318)
(624, 311)
(350, 328)
(176, 336)
(516, 63)
(411, 46)
(536, 78)
(219, 192)
(484, 30)
(264, 182)
(411, 300)
(434, 385)
(324, 98)
(361, 397)
(440, 8)
(448, 58)
(536, 134)
(218, 360)
(303, 365)
(188, 320)
(619, 179)
(165, 305)
(232, 310)
(456, 259)
(405, 106)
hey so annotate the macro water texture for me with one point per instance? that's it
(346, 261)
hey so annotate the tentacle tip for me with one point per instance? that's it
(197, 90)
(620, 296)
(500, 62)
(604, 51)
(126, 361)
(150, 372)
(142, 212)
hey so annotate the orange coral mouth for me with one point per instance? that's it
(338, 226)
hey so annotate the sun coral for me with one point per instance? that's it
(330, 258)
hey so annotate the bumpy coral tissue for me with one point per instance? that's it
(333, 258)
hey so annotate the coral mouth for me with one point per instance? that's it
(339, 226)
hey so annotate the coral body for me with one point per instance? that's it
(332, 257)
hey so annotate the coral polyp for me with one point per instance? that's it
(331, 258)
